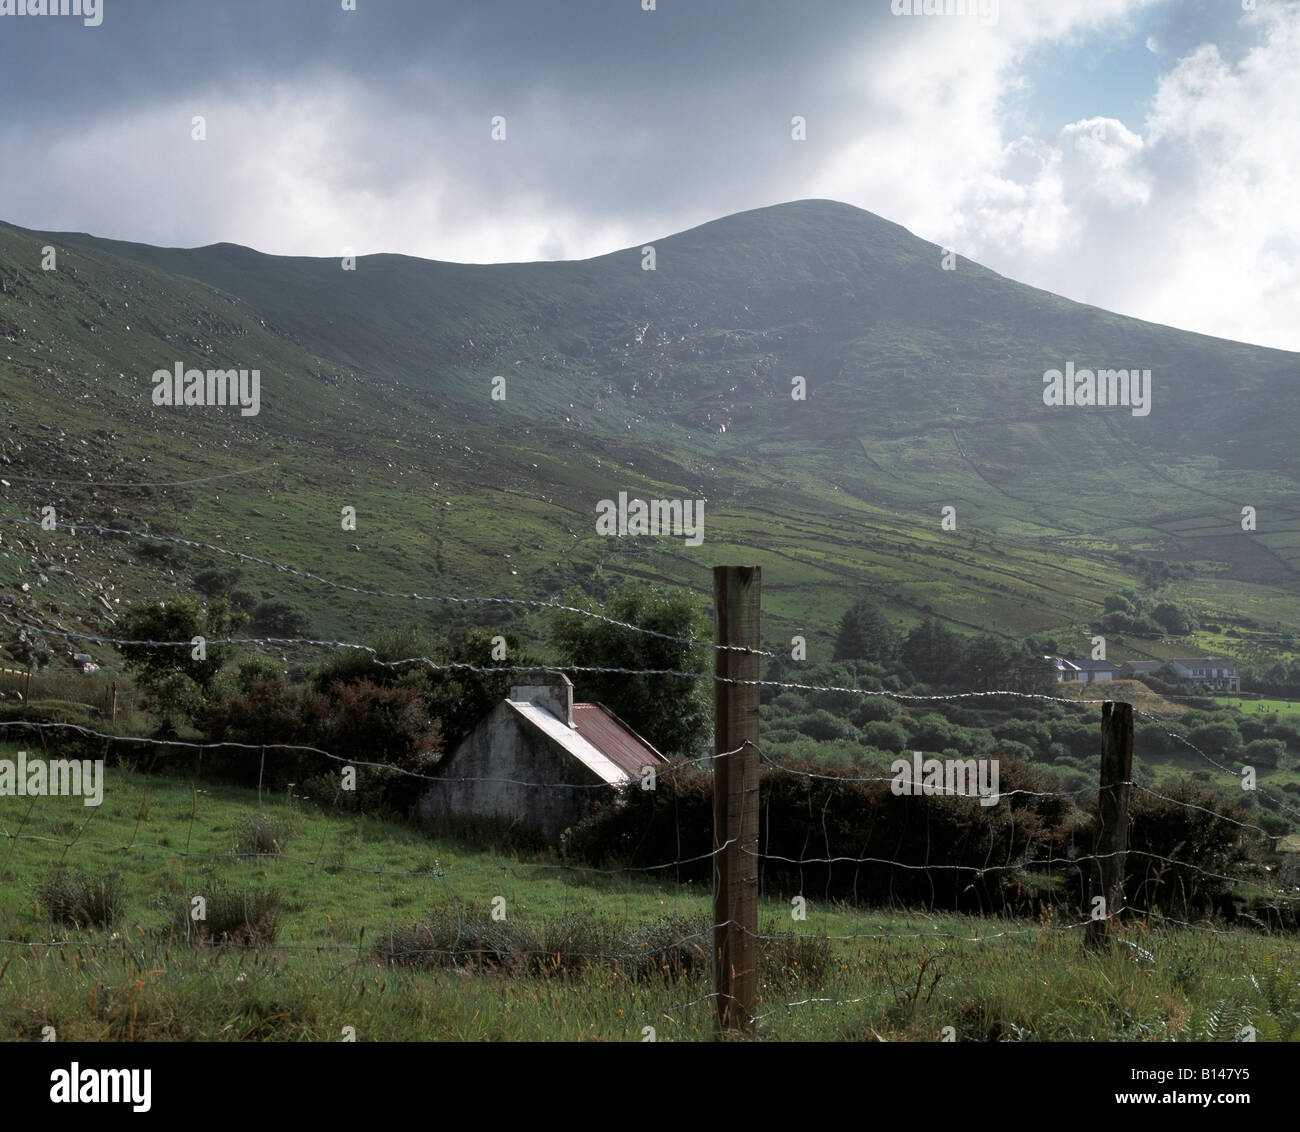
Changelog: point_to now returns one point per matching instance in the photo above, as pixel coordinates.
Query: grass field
(612, 952)
(1261, 706)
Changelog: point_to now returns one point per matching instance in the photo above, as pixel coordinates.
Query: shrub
(805, 818)
(269, 713)
(262, 832)
(873, 709)
(1033, 735)
(277, 618)
(241, 914)
(385, 725)
(363, 722)
(72, 896)
(1264, 752)
(257, 669)
(886, 736)
(1176, 848)
(932, 732)
(822, 725)
(1218, 738)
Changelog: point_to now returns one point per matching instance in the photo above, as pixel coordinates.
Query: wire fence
(474, 934)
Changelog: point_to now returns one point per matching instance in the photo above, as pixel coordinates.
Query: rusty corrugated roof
(614, 739)
(572, 741)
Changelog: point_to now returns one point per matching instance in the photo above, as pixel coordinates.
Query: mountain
(924, 390)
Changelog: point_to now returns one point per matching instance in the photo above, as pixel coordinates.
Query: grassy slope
(348, 882)
(923, 393)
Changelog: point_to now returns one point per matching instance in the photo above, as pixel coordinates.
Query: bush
(1218, 738)
(258, 668)
(886, 736)
(822, 725)
(278, 618)
(1177, 846)
(1265, 753)
(932, 732)
(359, 722)
(74, 897)
(266, 713)
(875, 709)
(233, 914)
(262, 832)
(806, 818)
(1033, 735)
(385, 725)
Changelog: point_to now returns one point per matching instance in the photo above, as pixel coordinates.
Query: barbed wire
(661, 770)
(1218, 766)
(691, 938)
(978, 870)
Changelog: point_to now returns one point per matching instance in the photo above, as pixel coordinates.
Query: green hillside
(924, 391)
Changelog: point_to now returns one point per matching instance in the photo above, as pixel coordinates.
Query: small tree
(866, 635)
(177, 675)
(672, 712)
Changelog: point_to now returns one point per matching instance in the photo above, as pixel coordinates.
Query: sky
(1139, 155)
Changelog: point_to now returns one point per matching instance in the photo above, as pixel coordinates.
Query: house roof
(615, 739)
(598, 739)
(1083, 665)
(571, 741)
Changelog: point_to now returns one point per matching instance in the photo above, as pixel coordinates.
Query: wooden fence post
(1112, 811)
(736, 596)
(112, 702)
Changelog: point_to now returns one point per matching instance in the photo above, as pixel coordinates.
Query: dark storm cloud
(612, 110)
(146, 50)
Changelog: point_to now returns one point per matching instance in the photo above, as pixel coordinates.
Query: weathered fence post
(1112, 814)
(27, 691)
(112, 702)
(736, 595)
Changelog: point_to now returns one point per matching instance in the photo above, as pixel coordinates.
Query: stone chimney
(550, 690)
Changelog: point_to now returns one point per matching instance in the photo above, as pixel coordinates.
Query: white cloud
(1187, 217)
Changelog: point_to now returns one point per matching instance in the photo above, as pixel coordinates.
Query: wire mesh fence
(895, 854)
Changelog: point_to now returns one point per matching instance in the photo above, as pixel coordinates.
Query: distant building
(1213, 671)
(1089, 671)
(539, 760)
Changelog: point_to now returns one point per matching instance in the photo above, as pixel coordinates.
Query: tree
(460, 697)
(456, 697)
(1264, 752)
(1174, 619)
(1218, 737)
(177, 675)
(672, 712)
(933, 654)
(886, 736)
(866, 635)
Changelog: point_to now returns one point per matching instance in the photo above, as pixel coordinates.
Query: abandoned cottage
(539, 760)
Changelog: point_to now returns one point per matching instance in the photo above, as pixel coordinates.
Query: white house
(1213, 671)
(1089, 671)
(539, 760)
